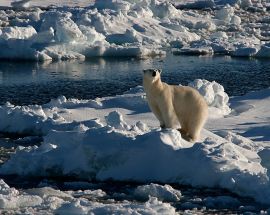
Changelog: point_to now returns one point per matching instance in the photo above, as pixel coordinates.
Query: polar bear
(174, 105)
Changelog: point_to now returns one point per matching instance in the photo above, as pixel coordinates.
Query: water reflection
(29, 83)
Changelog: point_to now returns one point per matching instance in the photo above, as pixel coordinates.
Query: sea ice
(122, 28)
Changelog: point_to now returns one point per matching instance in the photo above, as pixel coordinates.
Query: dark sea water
(23, 83)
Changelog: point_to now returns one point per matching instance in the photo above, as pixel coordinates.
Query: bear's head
(151, 75)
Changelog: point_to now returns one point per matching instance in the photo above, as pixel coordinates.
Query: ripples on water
(35, 83)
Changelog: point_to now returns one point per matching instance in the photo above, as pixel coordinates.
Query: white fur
(175, 104)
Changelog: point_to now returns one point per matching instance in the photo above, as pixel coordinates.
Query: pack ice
(132, 28)
(117, 138)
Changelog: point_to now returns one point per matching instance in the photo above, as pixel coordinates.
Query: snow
(126, 28)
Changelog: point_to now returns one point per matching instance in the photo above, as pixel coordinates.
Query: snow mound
(214, 95)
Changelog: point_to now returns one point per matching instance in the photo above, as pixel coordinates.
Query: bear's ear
(160, 71)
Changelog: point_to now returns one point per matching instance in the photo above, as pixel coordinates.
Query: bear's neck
(154, 87)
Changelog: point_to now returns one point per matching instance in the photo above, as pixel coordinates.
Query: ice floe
(127, 28)
(116, 138)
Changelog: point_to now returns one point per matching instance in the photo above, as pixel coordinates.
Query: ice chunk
(20, 4)
(6, 190)
(128, 37)
(221, 202)
(115, 120)
(198, 5)
(193, 51)
(245, 4)
(162, 193)
(264, 51)
(163, 9)
(235, 20)
(245, 52)
(91, 34)
(42, 56)
(17, 32)
(152, 206)
(27, 118)
(49, 19)
(219, 35)
(46, 192)
(122, 6)
(46, 36)
(10, 198)
(56, 53)
(225, 14)
(207, 25)
(213, 93)
(68, 31)
(71, 208)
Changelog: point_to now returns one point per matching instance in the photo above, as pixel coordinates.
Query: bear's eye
(153, 74)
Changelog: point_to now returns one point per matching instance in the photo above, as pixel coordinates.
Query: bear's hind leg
(184, 134)
(194, 130)
(183, 130)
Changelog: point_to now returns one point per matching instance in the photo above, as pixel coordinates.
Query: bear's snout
(154, 73)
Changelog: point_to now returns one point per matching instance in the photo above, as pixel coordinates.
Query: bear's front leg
(168, 114)
(155, 109)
